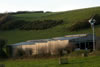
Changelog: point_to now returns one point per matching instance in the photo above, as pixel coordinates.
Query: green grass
(73, 62)
(31, 16)
(69, 17)
(15, 36)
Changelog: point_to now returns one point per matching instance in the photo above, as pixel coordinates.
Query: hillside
(70, 18)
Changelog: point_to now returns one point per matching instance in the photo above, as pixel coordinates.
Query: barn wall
(50, 47)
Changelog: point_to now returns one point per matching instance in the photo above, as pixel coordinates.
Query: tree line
(24, 12)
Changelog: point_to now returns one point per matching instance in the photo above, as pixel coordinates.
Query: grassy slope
(73, 62)
(31, 16)
(69, 18)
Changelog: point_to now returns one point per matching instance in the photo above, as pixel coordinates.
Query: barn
(52, 46)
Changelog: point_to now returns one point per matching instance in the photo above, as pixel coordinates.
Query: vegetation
(2, 52)
(74, 59)
(4, 18)
(70, 21)
(26, 25)
(14, 29)
(41, 25)
(84, 24)
(53, 62)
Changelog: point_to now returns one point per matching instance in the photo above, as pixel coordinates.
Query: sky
(45, 5)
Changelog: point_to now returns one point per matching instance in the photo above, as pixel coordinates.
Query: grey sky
(46, 5)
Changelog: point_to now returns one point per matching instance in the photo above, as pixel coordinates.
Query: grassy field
(69, 17)
(31, 16)
(93, 61)
(15, 36)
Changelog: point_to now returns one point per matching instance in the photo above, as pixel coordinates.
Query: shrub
(4, 18)
(27, 25)
(2, 45)
(79, 53)
(84, 24)
(12, 25)
(41, 25)
(79, 25)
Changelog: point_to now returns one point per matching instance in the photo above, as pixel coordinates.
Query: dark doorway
(90, 45)
(82, 46)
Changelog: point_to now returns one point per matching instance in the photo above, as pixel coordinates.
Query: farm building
(52, 46)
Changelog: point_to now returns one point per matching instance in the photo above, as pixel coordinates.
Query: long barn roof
(67, 37)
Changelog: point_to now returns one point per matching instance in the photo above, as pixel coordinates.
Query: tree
(2, 52)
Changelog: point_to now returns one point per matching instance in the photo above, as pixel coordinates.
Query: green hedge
(27, 25)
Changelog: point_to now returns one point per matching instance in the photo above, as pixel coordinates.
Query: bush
(84, 24)
(95, 53)
(12, 25)
(80, 25)
(26, 25)
(2, 45)
(79, 53)
(4, 18)
(41, 25)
